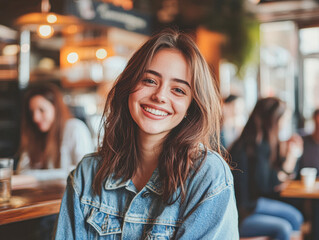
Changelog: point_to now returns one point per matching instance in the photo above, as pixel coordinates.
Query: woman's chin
(43, 129)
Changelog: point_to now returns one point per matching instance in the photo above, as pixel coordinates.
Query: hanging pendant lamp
(45, 23)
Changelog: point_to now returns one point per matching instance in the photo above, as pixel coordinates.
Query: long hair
(185, 144)
(43, 148)
(262, 126)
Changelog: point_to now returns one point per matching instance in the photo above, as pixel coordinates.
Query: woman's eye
(149, 81)
(180, 91)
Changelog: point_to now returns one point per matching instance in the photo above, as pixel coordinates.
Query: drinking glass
(6, 168)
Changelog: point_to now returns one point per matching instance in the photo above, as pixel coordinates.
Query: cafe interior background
(256, 48)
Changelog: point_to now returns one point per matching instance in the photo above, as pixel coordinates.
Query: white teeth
(155, 111)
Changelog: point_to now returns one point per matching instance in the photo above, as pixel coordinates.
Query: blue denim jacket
(121, 212)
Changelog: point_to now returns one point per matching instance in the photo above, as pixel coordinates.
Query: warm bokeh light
(72, 57)
(46, 64)
(45, 31)
(72, 29)
(10, 50)
(52, 18)
(101, 53)
(125, 4)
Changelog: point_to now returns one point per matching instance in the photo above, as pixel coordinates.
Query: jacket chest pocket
(160, 232)
(104, 226)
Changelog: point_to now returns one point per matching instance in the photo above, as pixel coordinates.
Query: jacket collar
(154, 184)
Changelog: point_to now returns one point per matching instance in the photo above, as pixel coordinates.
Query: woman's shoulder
(211, 179)
(213, 175)
(215, 166)
(89, 161)
(86, 170)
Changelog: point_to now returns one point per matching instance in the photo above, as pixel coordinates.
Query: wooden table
(40, 199)
(296, 189)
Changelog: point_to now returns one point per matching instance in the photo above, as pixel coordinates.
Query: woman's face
(163, 95)
(42, 111)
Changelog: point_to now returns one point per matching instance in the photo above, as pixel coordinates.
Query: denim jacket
(121, 212)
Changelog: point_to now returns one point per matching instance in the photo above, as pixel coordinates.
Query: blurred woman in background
(262, 165)
(52, 142)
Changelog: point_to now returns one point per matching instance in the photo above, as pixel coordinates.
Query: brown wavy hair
(262, 126)
(43, 147)
(186, 144)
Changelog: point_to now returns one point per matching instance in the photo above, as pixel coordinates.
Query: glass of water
(6, 168)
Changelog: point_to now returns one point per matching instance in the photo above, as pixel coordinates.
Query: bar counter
(32, 201)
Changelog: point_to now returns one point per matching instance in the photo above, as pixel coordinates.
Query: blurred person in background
(263, 164)
(310, 156)
(233, 119)
(52, 142)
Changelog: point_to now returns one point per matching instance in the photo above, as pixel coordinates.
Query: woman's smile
(155, 110)
(163, 95)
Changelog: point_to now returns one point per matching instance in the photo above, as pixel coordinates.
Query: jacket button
(145, 194)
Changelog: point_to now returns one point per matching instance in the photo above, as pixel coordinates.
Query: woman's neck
(149, 149)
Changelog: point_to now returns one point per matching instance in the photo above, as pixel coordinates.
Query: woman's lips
(154, 112)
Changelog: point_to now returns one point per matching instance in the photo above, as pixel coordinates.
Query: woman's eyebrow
(153, 72)
(174, 79)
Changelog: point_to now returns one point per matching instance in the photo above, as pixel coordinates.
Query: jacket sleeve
(70, 223)
(215, 218)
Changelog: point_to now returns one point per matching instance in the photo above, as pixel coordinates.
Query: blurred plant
(231, 18)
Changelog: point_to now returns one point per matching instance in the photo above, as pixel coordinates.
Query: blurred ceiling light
(10, 50)
(101, 53)
(52, 18)
(45, 31)
(72, 57)
(31, 21)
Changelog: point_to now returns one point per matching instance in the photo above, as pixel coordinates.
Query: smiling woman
(158, 173)
(161, 99)
(52, 142)
(43, 112)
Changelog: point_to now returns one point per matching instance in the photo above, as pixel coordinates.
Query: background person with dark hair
(233, 119)
(52, 142)
(262, 165)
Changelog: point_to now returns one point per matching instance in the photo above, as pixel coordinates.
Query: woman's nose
(160, 95)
